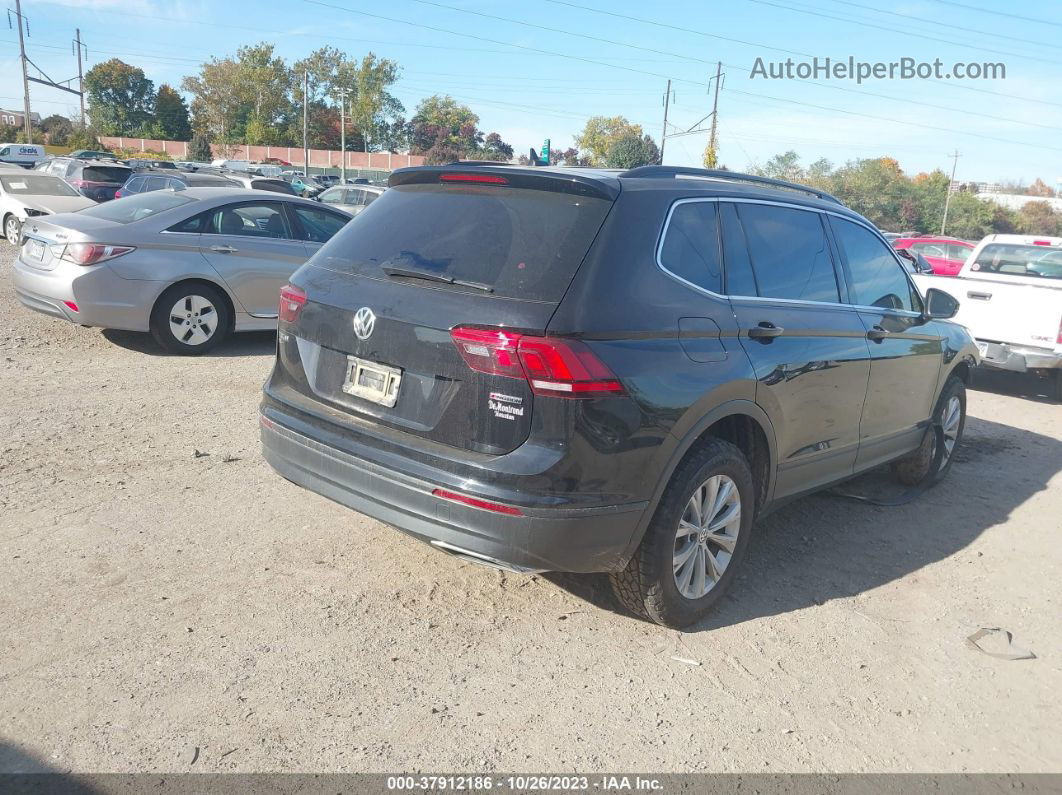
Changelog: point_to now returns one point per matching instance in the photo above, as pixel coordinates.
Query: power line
(905, 32)
(1000, 13)
(950, 25)
(654, 23)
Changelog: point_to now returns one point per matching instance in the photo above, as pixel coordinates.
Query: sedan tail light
(1058, 340)
(292, 299)
(552, 366)
(90, 253)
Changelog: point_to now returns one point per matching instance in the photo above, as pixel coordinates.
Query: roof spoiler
(649, 172)
(558, 181)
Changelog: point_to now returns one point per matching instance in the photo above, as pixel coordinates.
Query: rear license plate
(35, 249)
(374, 382)
(982, 348)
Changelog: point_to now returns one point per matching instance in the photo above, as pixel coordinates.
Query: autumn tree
(600, 133)
(121, 98)
(58, 129)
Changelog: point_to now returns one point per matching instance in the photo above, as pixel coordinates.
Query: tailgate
(373, 336)
(1019, 314)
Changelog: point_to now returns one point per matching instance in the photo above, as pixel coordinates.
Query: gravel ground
(170, 604)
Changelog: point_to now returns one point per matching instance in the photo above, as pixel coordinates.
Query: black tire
(193, 294)
(930, 463)
(647, 586)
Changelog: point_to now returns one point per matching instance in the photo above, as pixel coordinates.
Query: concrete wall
(319, 158)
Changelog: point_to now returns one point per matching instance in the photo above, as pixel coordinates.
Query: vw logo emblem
(364, 323)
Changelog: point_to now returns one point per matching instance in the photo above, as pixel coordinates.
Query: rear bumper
(1001, 356)
(102, 297)
(541, 539)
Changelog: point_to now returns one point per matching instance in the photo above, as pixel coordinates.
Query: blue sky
(527, 83)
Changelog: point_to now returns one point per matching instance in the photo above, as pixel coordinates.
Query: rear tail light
(1058, 340)
(90, 253)
(71, 304)
(292, 299)
(475, 502)
(551, 365)
(118, 193)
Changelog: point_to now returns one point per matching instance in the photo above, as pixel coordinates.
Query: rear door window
(878, 280)
(519, 242)
(690, 248)
(789, 253)
(740, 280)
(318, 226)
(253, 219)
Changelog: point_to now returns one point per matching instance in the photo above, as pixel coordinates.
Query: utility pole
(715, 108)
(306, 123)
(25, 77)
(663, 135)
(80, 76)
(947, 198)
(343, 136)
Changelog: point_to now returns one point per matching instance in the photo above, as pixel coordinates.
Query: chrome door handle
(224, 249)
(979, 296)
(877, 334)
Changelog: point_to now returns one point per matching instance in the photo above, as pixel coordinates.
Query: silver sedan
(189, 266)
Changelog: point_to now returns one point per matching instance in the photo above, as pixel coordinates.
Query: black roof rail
(647, 172)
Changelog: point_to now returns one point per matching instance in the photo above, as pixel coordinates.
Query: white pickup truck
(1010, 298)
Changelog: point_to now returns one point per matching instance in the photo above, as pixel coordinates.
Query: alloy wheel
(193, 320)
(706, 536)
(11, 231)
(950, 421)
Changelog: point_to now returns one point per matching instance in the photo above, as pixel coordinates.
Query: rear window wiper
(410, 273)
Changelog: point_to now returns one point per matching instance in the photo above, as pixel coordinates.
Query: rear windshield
(117, 174)
(275, 185)
(522, 243)
(1019, 260)
(136, 208)
(37, 185)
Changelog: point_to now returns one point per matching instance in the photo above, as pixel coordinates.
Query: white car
(1010, 298)
(32, 194)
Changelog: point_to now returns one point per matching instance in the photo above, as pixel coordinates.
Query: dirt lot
(168, 610)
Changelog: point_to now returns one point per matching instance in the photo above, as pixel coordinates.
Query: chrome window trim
(763, 299)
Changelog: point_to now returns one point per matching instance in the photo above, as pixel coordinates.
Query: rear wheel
(695, 541)
(931, 461)
(12, 229)
(190, 319)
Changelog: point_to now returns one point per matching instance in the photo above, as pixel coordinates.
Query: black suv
(587, 370)
(98, 180)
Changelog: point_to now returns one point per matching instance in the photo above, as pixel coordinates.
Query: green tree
(215, 98)
(632, 151)
(373, 109)
(171, 114)
(121, 98)
(600, 133)
(199, 148)
(58, 129)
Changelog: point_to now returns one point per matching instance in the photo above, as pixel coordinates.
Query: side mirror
(905, 253)
(940, 305)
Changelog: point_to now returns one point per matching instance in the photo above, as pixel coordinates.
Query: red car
(945, 254)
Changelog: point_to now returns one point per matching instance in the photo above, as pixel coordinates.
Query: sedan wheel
(12, 230)
(193, 320)
(952, 420)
